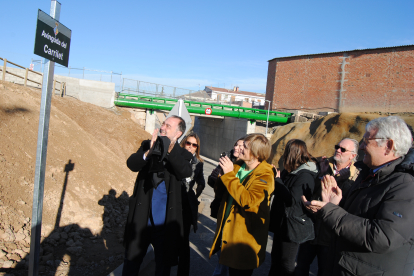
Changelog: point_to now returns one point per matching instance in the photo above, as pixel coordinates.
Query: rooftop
(225, 90)
(402, 46)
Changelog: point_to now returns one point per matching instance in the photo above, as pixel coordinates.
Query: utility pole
(267, 120)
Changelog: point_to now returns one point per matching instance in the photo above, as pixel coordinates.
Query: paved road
(201, 241)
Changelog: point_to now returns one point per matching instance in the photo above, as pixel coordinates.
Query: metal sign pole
(180, 103)
(42, 139)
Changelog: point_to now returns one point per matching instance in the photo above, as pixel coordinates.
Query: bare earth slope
(323, 134)
(87, 150)
(87, 182)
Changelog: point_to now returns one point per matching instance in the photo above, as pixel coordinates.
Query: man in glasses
(374, 222)
(341, 167)
(155, 211)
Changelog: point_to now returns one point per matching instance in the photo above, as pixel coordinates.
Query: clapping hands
(153, 139)
(330, 193)
(154, 136)
(330, 190)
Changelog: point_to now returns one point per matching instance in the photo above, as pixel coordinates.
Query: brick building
(380, 79)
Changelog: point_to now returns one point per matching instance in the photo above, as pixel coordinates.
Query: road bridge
(148, 102)
(217, 131)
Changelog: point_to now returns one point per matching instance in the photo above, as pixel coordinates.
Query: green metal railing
(131, 100)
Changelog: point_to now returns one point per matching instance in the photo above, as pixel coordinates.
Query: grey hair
(394, 128)
(356, 147)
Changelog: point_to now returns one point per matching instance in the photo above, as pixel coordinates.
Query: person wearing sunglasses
(342, 167)
(190, 199)
(373, 224)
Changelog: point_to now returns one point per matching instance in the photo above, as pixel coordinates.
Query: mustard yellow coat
(245, 230)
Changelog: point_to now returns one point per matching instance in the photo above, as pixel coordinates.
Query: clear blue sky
(191, 43)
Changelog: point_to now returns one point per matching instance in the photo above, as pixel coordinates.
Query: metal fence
(131, 86)
(143, 88)
(16, 73)
(84, 73)
(124, 85)
(138, 87)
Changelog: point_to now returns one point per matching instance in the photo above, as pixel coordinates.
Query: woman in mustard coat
(243, 217)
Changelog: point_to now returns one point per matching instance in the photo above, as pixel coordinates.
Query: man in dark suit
(155, 210)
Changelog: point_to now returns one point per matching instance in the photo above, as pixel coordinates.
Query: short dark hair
(181, 124)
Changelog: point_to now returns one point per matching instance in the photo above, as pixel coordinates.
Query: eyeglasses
(365, 140)
(191, 144)
(342, 149)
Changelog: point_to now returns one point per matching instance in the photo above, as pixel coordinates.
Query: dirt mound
(323, 134)
(86, 186)
(87, 183)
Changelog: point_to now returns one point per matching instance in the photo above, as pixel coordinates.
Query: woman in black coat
(288, 215)
(233, 154)
(189, 199)
(219, 189)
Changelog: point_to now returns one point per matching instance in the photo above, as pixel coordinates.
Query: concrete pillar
(251, 127)
(150, 119)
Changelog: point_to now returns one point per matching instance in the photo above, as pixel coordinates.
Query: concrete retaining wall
(218, 135)
(22, 72)
(95, 92)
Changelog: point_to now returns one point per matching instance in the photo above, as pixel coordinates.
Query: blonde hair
(259, 146)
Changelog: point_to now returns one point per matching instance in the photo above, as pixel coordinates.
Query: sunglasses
(191, 144)
(342, 149)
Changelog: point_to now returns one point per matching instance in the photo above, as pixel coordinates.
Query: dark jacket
(289, 189)
(211, 181)
(176, 168)
(344, 178)
(374, 225)
(217, 185)
(190, 201)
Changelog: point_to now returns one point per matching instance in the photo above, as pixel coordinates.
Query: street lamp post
(267, 120)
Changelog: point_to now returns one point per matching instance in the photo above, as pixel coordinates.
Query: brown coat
(245, 231)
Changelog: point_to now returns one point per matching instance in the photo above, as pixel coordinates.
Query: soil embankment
(323, 134)
(87, 183)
